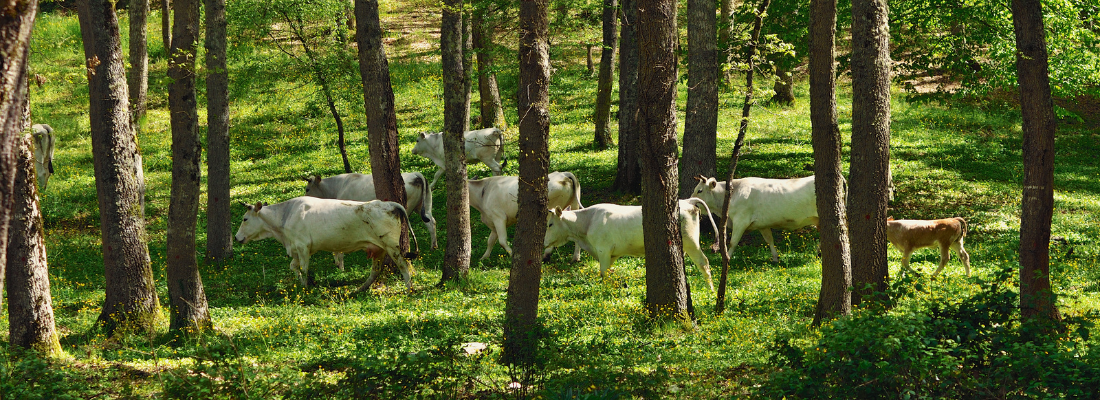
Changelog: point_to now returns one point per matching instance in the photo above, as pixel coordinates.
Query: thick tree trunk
(836, 264)
(30, 309)
(468, 61)
(666, 285)
(701, 119)
(870, 159)
(374, 70)
(138, 81)
(219, 236)
(492, 111)
(521, 331)
(456, 258)
(1037, 298)
(15, 38)
(131, 297)
(629, 169)
(725, 29)
(607, 73)
(188, 299)
(166, 24)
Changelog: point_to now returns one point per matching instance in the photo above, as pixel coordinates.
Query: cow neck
(276, 229)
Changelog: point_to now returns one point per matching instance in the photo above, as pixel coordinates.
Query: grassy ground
(956, 159)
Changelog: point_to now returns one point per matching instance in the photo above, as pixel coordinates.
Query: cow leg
(767, 234)
(375, 269)
(402, 265)
(905, 261)
(490, 243)
(735, 237)
(494, 166)
(431, 231)
(502, 235)
(303, 266)
(963, 256)
(692, 249)
(576, 251)
(945, 256)
(339, 257)
(438, 173)
(605, 262)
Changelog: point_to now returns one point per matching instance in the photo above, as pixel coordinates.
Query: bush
(26, 375)
(977, 348)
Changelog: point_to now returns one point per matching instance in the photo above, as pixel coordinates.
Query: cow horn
(245, 205)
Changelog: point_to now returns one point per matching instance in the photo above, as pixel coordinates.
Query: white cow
(762, 204)
(306, 225)
(360, 187)
(610, 231)
(497, 198)
(43, 139)
(485, 145)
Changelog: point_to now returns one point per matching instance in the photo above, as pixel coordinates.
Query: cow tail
(405, 221)
(500, 149)
(425, 198)
(576, 190)
(698, 201)
(963, 222)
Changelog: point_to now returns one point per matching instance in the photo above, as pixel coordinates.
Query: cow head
(313, 186)
(252, 226)
(705, 185)
(556, 234)
(425, 142)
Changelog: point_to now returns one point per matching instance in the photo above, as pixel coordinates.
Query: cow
(610, 231)
(485, 145)
(908, 235)
(306, 225)
(43, 138)
(761, 204)
(497, 200)
(360, 187)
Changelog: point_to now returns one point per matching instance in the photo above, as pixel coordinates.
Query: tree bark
(521, 329)
(16, 24)
(138, 81)
(629, 169)
(456, 258)
(165, 24)
(188, 299)
(836, 264)
(30, 309)
(701, 119)
(870, 159)
(378, 99)
(467, 61)
(725, 29)
(492, 110)
(219, 236)
(666, 285)
(607, 72)
(1037, 299)
(131, 298)
(784, 85)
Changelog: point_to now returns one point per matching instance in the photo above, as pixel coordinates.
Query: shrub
(26, 375)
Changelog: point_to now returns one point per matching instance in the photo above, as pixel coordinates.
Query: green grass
(948, 159)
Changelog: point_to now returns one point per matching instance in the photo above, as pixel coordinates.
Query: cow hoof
(546, 258)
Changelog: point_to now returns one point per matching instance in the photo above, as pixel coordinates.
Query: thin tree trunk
(166, 24)
(521, 329)
(468, 61)
(591, 62)
(1037, 298)
(219, 236)
(723, 246)
(666, 285)
(870, 159)
(607, 73)
(784, 85)
(492, 111)
(15, 38)
(188, 299)
(30, 309)
(138, 81)
(701, 119)
(130, 296)
(836, 264)
(629, 169)
(725, 29)
(378, 99)
(456, 258)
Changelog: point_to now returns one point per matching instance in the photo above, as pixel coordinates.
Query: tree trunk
(836, 264)
(521, 329)
(591, 62)
(725, 29)
(870, 159)
(701, 119)
(492, 111)
(629, 169)
(467, 61)
(30, 309)
(666, 286)
(456, 258)
(607, 72)
(165, 24)
(784, 85)
(374, 70)
(189, 310)
(15, 38)
(138, 81)
(1037, 298)
(219, 232)
(131, 297)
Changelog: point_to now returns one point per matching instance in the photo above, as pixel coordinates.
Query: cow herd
(341, 214)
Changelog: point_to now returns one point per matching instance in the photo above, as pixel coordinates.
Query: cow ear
(557, 211)
(422, 135)
(257, 207)
(889, 218)
(712, 183)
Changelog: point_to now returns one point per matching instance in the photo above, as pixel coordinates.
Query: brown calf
(909, 235)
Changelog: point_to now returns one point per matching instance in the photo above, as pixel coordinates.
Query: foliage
(27, 375)
(977, 347)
